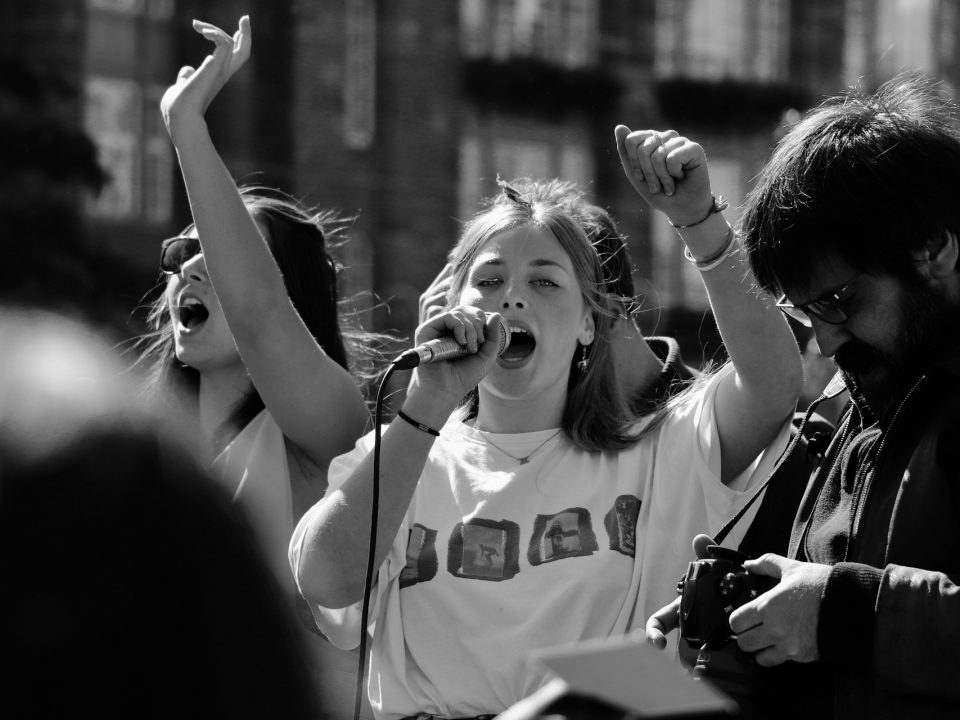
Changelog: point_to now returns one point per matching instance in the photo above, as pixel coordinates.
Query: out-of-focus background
(402, 113)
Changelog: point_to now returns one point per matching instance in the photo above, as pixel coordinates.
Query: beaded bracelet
(710, 263)
(418, 425)
(717, 204)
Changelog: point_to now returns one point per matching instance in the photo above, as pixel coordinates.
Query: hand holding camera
(712, 588)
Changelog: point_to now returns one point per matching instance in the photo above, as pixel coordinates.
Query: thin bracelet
(717, 204)
(711, 263)
(419, 426)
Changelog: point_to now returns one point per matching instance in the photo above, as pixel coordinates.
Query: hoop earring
(584, 360)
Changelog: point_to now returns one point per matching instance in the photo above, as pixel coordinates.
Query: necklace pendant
(524, 460)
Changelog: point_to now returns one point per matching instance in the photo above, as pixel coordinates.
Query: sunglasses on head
(175, 251)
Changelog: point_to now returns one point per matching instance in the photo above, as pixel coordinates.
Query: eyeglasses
(829, 309)
(175, 251)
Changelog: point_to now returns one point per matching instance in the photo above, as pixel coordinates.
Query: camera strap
(833, 388)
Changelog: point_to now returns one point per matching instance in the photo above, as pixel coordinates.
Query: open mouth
(522, 345)
(192, 312)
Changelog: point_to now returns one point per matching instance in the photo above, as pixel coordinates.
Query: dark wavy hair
(299, 239)
(868, 178)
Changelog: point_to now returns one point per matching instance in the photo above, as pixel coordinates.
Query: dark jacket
(889, 625)
(675, 376)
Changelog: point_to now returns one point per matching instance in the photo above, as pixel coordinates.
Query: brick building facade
(403, 113)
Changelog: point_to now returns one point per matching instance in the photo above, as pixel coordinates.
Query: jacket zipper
(860, 500)
(826, 463)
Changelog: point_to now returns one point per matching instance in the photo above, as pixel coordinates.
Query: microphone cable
(405, 361)
(371, 554)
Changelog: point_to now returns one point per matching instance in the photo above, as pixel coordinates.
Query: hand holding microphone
(445, 348)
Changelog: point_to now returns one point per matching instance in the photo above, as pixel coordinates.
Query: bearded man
(854, 224)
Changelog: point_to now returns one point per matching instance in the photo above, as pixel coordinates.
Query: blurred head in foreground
(131, 585)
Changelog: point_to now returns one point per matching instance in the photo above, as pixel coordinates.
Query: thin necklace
(526, 458)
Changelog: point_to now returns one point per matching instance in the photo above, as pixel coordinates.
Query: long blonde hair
(596, 416)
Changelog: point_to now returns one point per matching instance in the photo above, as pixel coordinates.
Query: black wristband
(419, 426)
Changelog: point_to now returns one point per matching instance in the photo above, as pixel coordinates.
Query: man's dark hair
(867, 178)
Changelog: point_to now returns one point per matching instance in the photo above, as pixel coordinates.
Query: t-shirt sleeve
(694, 425)
(724, 500)
(342, 625)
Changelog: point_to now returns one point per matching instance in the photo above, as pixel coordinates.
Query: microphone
(444, 348)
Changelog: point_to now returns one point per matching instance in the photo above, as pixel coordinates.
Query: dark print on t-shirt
(566, 534)
(484, 550)
(421, 556)
(621, 524)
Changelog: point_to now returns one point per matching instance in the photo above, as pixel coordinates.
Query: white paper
(629, 672)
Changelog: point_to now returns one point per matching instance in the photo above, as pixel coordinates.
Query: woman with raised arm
(541, 512)
(247, 330)
(246, 335)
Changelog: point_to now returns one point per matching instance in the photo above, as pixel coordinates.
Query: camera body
(711, 589)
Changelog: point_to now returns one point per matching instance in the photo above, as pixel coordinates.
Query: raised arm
(314, 401)
(670, 173)
(334, 535)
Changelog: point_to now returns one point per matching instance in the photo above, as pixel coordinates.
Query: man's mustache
(857, 357)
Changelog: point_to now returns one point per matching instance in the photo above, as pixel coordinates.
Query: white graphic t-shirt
(496, 558)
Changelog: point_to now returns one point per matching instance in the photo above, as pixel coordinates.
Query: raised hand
(433, 301)
(781, 624)
(668, 171)
(187, 99)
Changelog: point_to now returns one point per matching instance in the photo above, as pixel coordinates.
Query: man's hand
(781, 624)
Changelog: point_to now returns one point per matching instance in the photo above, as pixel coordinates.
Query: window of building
(123, 119)
(856, 41)
(561, 32)
(722, 39)
(887, 37)
(128, 47)
(158, 166)
(905, 35)
(514, 148)
(360, 74)
(156, 9)
(126, 7)
(113, 119)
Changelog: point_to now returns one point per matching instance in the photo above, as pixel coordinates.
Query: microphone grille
(504, 336)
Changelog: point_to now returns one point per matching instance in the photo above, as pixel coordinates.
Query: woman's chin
(515, 385)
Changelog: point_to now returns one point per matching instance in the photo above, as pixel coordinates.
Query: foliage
(49, 164)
